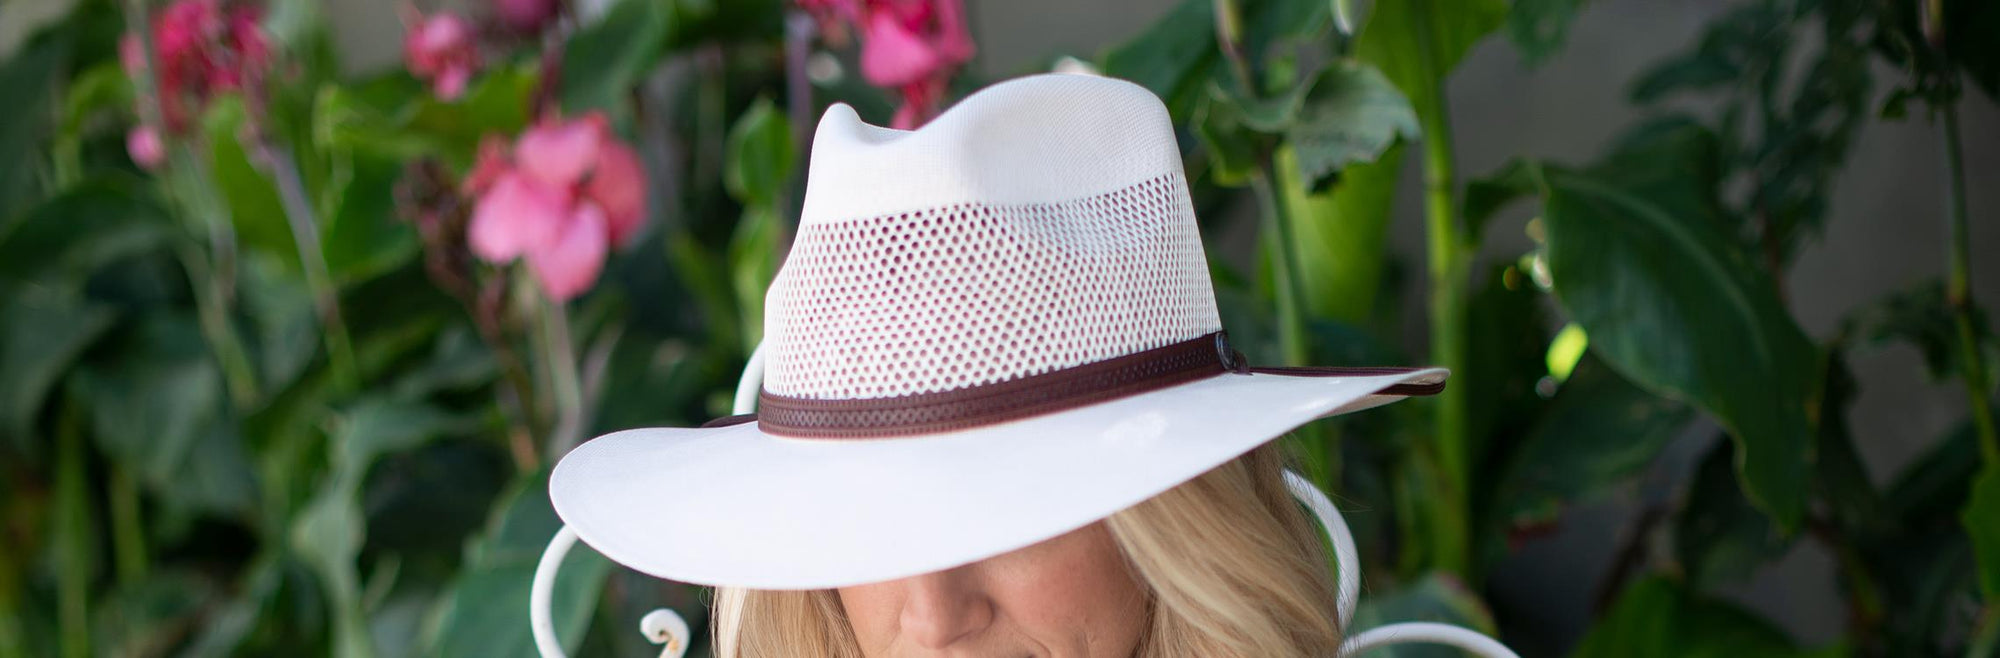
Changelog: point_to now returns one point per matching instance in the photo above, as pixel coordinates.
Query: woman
(999, 415)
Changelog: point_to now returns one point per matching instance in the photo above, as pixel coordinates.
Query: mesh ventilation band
(963, 295)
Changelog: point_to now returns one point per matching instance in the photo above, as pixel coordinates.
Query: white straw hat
(989, 331)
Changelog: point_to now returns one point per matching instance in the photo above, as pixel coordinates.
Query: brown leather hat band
(944, 411)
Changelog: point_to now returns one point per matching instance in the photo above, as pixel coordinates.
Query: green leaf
(251, 200)
(1970, 45)
(1654, 617)
(30, 79)
(1342, 234)
(1982, 522)
(1840, 476)
(485, 611)
(1720, 537)
(1437, 597)
(1351, 115)
(753, 262)
(375, 427)
(1639, 260)
(1231, 146)
(90, 226)
(1934, 488)
(760, 155)
(1920, 317)
(1416, 43)
(42, 332)
(1598, 432)
(365, 237)
(497, 104)
(1506, 365)
(1172, 57)
(606, 59)
(1540, 27)
(157, 407)
(1484, 197)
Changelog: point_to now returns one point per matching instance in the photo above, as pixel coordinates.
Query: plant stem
(1958, 292)
(74, 546)
(11, 643)
(277, 162)
(1450, 257)
(559, 355)
(1285, 272)
(128, 537)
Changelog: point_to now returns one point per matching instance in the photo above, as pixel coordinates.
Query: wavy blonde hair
(1232, 566)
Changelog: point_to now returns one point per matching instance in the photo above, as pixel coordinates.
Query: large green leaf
(605, 60)
(89, 226)
(26, 118)
(1982, 522)
(42, 332)
(1599, 431)
(157, 407)
(1351, 115)
(1654, 617)
(1341, 234)
(485, 611)
(1172, 57)
(250, 200)
(1416, 43)
(1437, 597)
(760, 155)
(1719, 536)
(1639, 259)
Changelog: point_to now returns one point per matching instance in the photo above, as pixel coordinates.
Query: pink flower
(570, 264)
(560, 153)
(912, 46)
(560, 198)
(525, 16)
(619, 186)
(518, 214)
(144, 144)
(440, 49)
(200, 51)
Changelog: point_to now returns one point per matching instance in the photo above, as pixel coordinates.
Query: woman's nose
(943, 608)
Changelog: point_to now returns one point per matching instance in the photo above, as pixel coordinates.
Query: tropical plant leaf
(1639, 260)
(1655, 617)
(30, 78)
(1352, 114)
(1719, 536)
(1597, 433)
(1341, 235)
(1436, 597)
(606, 59)
(1172, 57)
(41, 333)
(760, 155)
(485, 611)
(1416, 43)
(90, 226)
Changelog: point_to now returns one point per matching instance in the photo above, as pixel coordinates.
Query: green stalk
(74, 546)
(11, 643)
(1449, 256)
(559, 356)
(128, 537)
(1958, 293)
(299, 214)
(1279, 242)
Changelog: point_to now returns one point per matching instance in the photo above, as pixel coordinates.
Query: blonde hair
(1232, 566)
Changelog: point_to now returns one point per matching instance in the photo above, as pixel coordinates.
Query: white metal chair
(666, 628)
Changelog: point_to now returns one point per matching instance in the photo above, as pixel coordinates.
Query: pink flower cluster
(201, 49)
(561, 197)
(441, 49)
(912, 46)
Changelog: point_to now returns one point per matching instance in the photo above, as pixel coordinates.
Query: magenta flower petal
(559, 153)
(569, 265)
(891, 56)
(450, 83)
(144, 144)
(618, 185)
(516, 215)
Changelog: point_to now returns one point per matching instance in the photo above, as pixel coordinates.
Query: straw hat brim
(733, 506)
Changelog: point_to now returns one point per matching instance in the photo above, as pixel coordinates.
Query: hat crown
(1040, 224)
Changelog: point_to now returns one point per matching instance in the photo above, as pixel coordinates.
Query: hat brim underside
(733, 506)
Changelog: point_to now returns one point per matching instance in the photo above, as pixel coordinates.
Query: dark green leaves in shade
(1539, 28)
(1599, 431)
(1640, 260)
(485, 612)
(1656, 618)
(605, 60)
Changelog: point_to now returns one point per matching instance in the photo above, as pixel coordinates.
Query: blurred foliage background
(286, 350)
